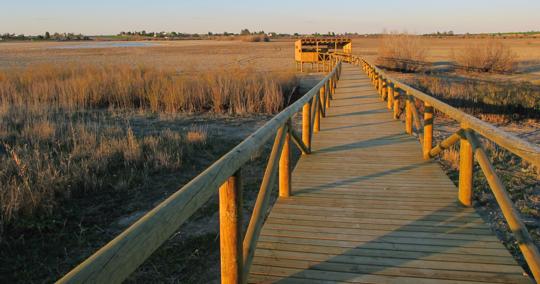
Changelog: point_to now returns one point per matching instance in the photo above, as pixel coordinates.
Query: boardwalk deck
(367, 209)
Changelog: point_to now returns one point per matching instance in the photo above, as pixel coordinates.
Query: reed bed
(72, 87)
(64, 129)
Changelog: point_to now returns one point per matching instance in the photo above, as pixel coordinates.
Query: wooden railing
(394, 91)
(120, 257)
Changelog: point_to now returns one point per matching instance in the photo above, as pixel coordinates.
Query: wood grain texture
(366, 208)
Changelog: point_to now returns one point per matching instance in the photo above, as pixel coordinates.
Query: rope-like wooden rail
(470, 148)
(115, 261)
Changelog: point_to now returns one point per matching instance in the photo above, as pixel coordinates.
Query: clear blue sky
(200, 16)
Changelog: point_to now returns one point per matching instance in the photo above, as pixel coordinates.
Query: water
(106, 45)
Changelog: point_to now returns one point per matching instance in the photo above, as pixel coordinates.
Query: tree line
(45, 36)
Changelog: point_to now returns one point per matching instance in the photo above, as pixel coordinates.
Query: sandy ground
(182, 55)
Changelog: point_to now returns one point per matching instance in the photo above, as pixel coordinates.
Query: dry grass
(496, 101)
(71, 87)
(55, 140)
(487, 56)
(197, 134)
(43, 166)
(402, 52)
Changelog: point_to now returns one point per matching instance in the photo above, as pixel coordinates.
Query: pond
(106, 44)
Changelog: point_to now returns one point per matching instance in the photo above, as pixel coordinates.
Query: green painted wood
(366, 208)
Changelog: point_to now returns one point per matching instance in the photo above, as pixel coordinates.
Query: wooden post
(301, 66)
(518, 228)
(396, 102)
(317, 120)
(465, 171)
(323, 98)
(306, 127)
(408, 115)
(381, 88)
(327, 94)
(390, 95)
(428, 130)
(285, 165)
(230, 229)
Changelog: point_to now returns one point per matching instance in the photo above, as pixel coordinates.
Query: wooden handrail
(262, 202)
(115, 261)
(521, 148)
(523, 238)
(469, 144)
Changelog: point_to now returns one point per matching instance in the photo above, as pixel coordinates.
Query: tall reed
(233, 91)
(59, 137)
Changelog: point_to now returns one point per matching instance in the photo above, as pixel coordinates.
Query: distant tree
(245, 32)
(47, 35)
(210, 33)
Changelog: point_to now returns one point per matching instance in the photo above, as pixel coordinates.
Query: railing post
(285, 165)
(383, 89)
(390, 95)
(465, 171)
(317, 120)
(306, 125)
(322, 99)
(230, 229)
(428, 129)
(327, 94)
(408, 114)
(397, 95)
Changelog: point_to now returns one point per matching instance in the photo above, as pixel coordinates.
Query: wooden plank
(500, 252)
(442, 256)
(366, 208)
(336, 265)
(380, 227)
(455, 225)
(456, 270)
(397, 233)
(347, 276)
(387, 238)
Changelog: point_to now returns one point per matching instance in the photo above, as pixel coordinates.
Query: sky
(93, 17)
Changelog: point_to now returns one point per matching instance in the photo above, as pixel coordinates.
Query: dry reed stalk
(234, 90)
(488, 56)
(402, 52)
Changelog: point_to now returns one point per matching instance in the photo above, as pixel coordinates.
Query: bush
(255, 38)
(402, 52)
(489, 56)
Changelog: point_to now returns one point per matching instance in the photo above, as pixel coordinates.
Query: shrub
(255, 38)
(488, 56)
(402, 52)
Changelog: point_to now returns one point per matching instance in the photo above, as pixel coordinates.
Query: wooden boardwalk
(367, 208)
